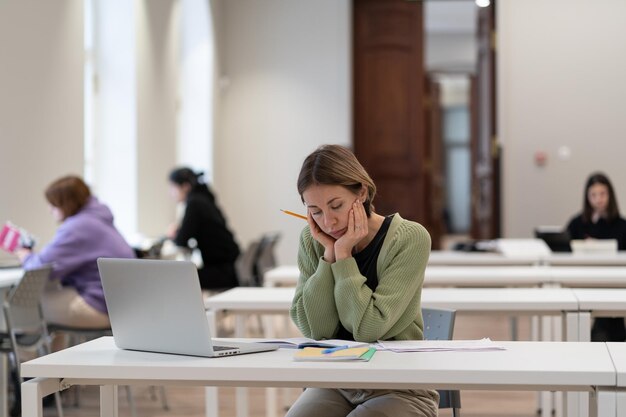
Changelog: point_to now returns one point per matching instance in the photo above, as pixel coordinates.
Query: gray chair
(266, 257)
(439, 325)
(245, 264)
(24, 328)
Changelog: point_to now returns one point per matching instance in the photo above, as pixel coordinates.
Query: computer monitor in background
(557, 238)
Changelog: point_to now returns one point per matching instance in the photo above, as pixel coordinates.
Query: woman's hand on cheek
(357, 230)
(327, 241)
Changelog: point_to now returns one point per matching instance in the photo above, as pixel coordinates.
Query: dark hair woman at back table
(204, 222)
(601, 219)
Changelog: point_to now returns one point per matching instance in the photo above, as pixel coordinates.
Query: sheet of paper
(438, 345)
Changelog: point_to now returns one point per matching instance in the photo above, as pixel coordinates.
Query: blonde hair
(336, 165)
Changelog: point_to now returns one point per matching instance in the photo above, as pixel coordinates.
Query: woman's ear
(363, 194)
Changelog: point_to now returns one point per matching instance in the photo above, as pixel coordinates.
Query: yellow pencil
(291, 213)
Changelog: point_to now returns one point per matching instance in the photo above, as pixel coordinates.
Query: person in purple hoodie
(86, 233)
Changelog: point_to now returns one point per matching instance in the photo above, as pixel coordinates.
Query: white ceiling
(450, 16)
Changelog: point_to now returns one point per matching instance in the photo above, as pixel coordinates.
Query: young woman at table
(204, 224)
(86, 232)
(601, 219)
(361, 278)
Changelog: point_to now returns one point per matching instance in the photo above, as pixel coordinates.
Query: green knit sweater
(329, 293)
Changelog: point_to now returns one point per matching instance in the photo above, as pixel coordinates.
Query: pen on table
(291, 213)
(335, 349)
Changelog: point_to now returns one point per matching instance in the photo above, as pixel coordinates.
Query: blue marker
(335, 349)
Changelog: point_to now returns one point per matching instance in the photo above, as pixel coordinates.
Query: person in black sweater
(600, 219)
(204, 223)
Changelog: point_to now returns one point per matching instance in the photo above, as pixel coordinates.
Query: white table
(618, 355)
(451, 258)
(559, 302)
(585, 259)
(598, 302)
(493, 276)
(541, 301)
(8, 277)
(522, 366)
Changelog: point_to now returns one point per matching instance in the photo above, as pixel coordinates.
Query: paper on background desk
(438, 345)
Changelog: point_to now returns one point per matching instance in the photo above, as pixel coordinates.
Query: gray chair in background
(24, 328)
(439, 325)
(245, 264)
(266, 256)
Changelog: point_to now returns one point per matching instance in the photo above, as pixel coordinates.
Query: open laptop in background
(557, 238)
(157, 306)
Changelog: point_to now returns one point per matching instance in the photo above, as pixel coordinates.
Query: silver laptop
(157, 306)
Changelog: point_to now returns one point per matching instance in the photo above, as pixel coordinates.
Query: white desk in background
(8, 277)
(559, 302)
(585, 259)
(451, 258)
(529, 366)
(532, 301)
(598, 302)
(492, 276)
(461, 276)
(618, 355)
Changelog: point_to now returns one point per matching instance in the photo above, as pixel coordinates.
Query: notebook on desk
(157, 306)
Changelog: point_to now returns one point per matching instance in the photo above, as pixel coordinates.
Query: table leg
(211, 402)
(271, 394)
(603, 402)
(4, 389)
(33, 392)
(621, 402)
(571, 402)
(584, 326)
(108, 401)
(241, 394)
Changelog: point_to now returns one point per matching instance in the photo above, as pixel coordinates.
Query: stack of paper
(438, 345)
(363, 354)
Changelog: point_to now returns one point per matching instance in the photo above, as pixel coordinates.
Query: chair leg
(164, 402)
(59, 404)
(131, 401)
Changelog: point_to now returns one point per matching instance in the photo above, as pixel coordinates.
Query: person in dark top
(601, 219)
(203, 226)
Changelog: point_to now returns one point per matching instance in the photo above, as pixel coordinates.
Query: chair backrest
(439, 325)
(22, 308)
(245, 264)
(266, 258)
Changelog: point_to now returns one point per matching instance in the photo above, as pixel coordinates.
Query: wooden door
(484, 144)
(434, 175)
(388, 68)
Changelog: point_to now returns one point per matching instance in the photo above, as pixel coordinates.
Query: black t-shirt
(366, 261)
(602, 229)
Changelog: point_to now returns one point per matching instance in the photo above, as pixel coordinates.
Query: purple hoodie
(79, 241)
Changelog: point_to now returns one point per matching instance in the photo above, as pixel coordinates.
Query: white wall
(41, 106)
(285, 77)
(157, 51)
(561, 84)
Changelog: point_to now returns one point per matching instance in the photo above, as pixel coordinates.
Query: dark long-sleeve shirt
(602, 229)
(204, 222)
